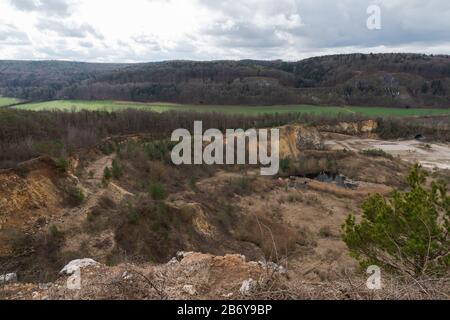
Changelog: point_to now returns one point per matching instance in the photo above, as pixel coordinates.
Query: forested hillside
(397, 80)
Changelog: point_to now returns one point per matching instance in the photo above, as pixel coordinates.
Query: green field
(73, 105)
(7, 101)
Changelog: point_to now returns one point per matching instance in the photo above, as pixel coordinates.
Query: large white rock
(8, 278)
(75, 265)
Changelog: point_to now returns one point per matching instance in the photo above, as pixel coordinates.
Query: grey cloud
(243, 34)
(10, 35)
(260, 29)
(122, 53)
(343, 23)
(247, 9)
(24, 5)
(330, 23)
(148, 41)
(50, 7)
(67, 29)
(86, 44)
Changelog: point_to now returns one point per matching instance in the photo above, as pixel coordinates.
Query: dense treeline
(434, 128)
(42, 80)
(27, 134)
(401, 80)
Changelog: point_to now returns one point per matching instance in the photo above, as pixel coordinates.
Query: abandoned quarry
(117, 220)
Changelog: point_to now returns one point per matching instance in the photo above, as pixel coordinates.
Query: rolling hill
(389, 80)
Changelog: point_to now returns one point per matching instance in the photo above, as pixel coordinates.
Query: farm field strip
(107, 105)
(4, 101)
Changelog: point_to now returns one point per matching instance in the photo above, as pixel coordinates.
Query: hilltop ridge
(392, 80)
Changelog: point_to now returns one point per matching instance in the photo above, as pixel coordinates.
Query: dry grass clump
(355, 288)
(275, 239)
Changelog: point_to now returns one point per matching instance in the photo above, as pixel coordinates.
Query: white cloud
(147, 30)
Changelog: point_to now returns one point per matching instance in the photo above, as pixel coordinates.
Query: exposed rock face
(297, 138)
(27, 194)
(309, 138)
(294, 139)
(28, 188)
(363, 128)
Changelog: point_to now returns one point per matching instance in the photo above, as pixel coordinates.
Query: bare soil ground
(429, 155)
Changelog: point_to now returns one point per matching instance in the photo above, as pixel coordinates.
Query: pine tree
(406, 232)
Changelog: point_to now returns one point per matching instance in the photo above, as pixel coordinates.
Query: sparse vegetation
(325, 232)
(62, 164)
(294, 197)
(238, 186)
(54, 232)
(285, 164)
(133, 216)
(75, 196)
(116, 170)
(377, 153)
(107, 175)
(157, 191)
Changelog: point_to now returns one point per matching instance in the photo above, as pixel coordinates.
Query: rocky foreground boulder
(76, 265)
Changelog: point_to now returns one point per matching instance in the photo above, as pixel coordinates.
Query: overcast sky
(153, 30)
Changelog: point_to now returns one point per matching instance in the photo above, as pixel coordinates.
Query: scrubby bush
(295, 197)
(238, 186)
(377, 153)
(108, 148)
(133, 217)
(54, 232)
(407, 232)
(285, 164)
(157, 191)
(75, 196)
(116, 169)
(18, 240)
(107, 174)
(62, 164)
